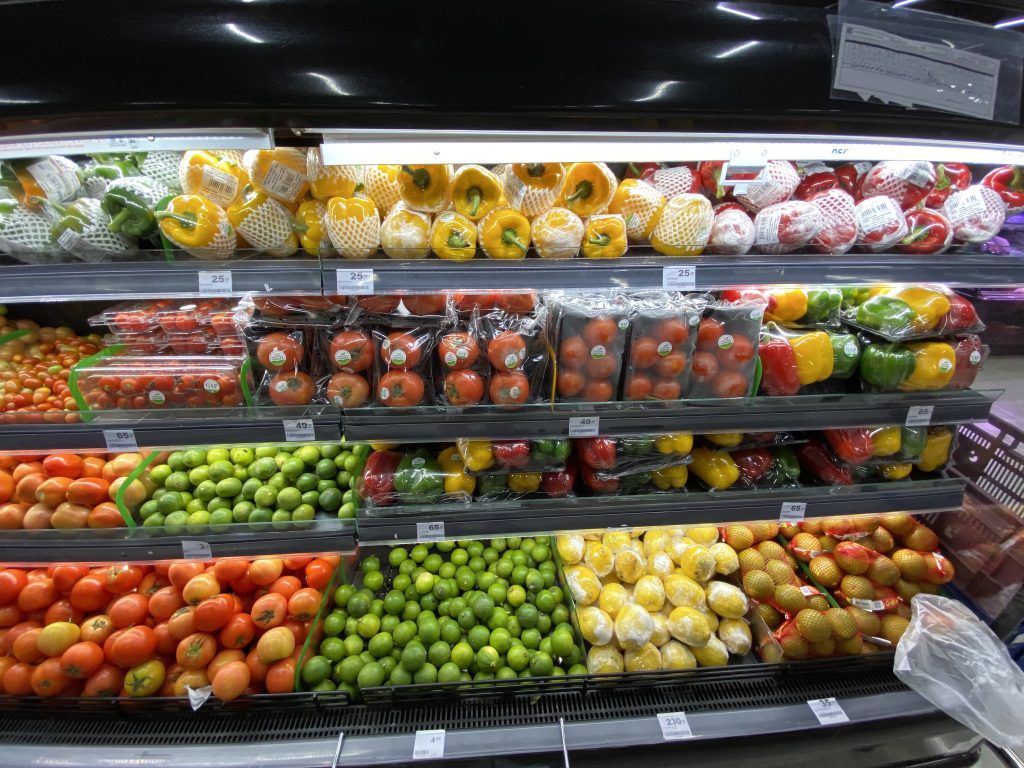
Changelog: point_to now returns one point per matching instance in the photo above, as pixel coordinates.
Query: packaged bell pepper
(767, 468)
(817, 462)
(937, 450)
(911, 312)
(500, 457)
(716, 470)
(970, 353)
(662, 340)
(616, 457)
(598, 484)
(591, 338)
(418, 479)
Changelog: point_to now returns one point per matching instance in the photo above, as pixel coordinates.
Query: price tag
(120, 440)
(792, 511)
(429, 745)
(920, 415)
(867, 605)
(828, 711)
(196, 550)
(679, 278)
(429, 532)
(583, 426)
(674, 726)
(215, 283)
(298, 430)
(355, 282)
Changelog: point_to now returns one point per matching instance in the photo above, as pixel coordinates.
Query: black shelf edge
(550, 516)
(805, 412)
(146, 544)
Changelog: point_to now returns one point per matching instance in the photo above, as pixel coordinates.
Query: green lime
(347, 512)
(265, 496)
(325, 469)
(371, 675)
(544, 601)
(442, 589)
(485, 580)
(218, 503)
(433, 562)
(447, 570)
(177, 481)
(370, 564)
(175, 522)
(199, 475)
(306, 482)
(373, 580)
(155, 520)
(388, 622)
(310, 454)
(377, 607)
(291, 468)
(368, 626)
(459, 557)
(242, 456)
(490, 555)
(159, 474)
(229, 487)
(497, 593)
(448, 673)
(397, 556)
(534, 581)
(424, 583)
(289, 498)
(501, 640)
(407, 566)
(419, 553)
(241, 512)
(414, 656)
(264, 451)
(429, 631)
(411, 610)
(475, 548)
(333, 648)
(353, 643)
(463, 655)
(249, 488)
(518, 576)
(439, 653)
(194, 457)
(169, 502)
(531, 638)
(478, 637)
(220, 519)
(540, 553)
(516, 596)
(263, 469)
(220, 470)
(426, 674)
(358, 605)
(347, 670)
(311, 499)
(381, 644)
(487, 659)
(176, 461)
(527, 615)
(330, 499)
(562, 643)
(541, 664)
(457, 606)
(394, 602)
(400, 676)
(518, 658)
(451, 632)
(401, 582)
(503, 568)
(197, 521)
(499, 619)
(404, 633)
(324, 685)
(466, 618)
(477, 564)
(544, 623)
(545, 646)
(316, 670)
(483, 607)
(343, 594)
(505, 673)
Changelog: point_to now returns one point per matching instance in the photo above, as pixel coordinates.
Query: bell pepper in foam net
(823, 306)
(456, 481)
(98, 177)
(475, 191)
(161, 166)
(557, 234)
(670, 478)
(504, 233)
(587, 188)
(327, 181)
(889, 315)
(198, 226)
(477, 455)
(378, 482)
(786, 305)
(353, 225)
(929, 306)
(934, 366)
(83, 229)
(278, 173)
(814, 357)
(949, 178)
(753, 464)
(532, 187)
(852, 445)
(425, 187)
(716, 469)
(309, 225)
(23, 232)
(382, 185)
(604, 237)
(453, 237)
(935, 453)
(779, 376)
(265, 223)
(640, 206)
(912, 442)
(1008, 182)
(816, 460)
(131, 202)
(969, 353)
(418, 479)
(219, 180)
(684, 226)
(405, 234)
(886, 366)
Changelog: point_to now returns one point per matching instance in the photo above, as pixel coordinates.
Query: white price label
(120, 439)
(808, 591)
(430, 532)
(584, 426)
(867, 605)
(679, 278)
(354, 282)
(192, 549)
(215, 283)
(920, 415)
(792, 511)
(674, 726)
(828, 711)
(298, 430)
(429, 745)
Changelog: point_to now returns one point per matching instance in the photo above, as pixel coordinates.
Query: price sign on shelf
(429, 532)
(674, 726)
(792, 511)
(584, 426)
(355, 282)
(215, 283)
(828, 711)
(920, 415)
(120, 440)
(196, 550)
(679, 278)
(299, 430)
(429, 745)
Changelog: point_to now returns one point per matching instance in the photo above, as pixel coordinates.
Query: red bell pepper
(969, 354)
(778, 367)
(747, 294)
(636, 170)
(854, 446)
(815, 178)
(378, 484)
(597, 452)
(949, 178)
(752, 463)
(595, 484)
(512, 453)
(962, 315)
(929, 232)
(711, 177)
(1008, 181)
(814, 458)
(559, 484)
(850, 176)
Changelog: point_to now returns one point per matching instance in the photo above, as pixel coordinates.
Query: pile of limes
(210, 488)
(454, 611)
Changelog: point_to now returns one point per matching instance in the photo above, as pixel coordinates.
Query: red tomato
(269, 611)
(88, 491)
(458, 350)
(643, 352)
(230, 569)
(600, 331)
(165, 602)
(318, 573)
(181, 573)
(231, 680)
(96, 629)
(570, 382)
(638, 387)
(403, 350)
(81, 659)
(128, 610)
(464, 301)
(48, 680)
(165, 641)
(26, 646)
(602, 367)
(400, 389)
(730, 384)
(17, 680)
(304, 604)
(12, 581)
(506, 351)
(704, 368)
(351, 351)
(62, 610)
(671, 365)
(573, 353)
(182, 622)
(214, 613)
(509, 387)
(130, 647)
(292, 388)
(349, 390)
(666, 389)
(37, 595)
(280, 678)
(104, 682)
(238, 632)
(67, 465)
(286, 585)
(279, 351)
(379, 305)
(425, 303)
(738, 356)
(196, 651)
(708, 333)
(598, 391)
(463, 388)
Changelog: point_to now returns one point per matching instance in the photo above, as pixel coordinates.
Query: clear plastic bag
(954, 661)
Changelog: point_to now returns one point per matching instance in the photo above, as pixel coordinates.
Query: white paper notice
(792, 511)
(120, 440)
(215, 283)
(429, 532)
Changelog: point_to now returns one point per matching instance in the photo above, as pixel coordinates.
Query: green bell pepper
(636, 481)
(784, 463)
(855, 295)
(845, 355)
(637, 446)
(419, 479)
(491, 485)
(886, 314)
(912, 442)
(823, 306)
(131, 209)
(886, 366)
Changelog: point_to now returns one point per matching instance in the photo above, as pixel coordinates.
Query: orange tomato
(153, 582)
(105, 515)
(242, 585)
(37, 517)
(66, 576)
(222, 658)
(12, 581)
(105, 681)
(281, 677)
(6, 662)
(269, 611)
(257, 669)
(7, 486)
(199, 588)
(96, 629)
(597, 391)
(89, 491)
(165, 642)
(230, 569)
(190, 678)
(134, 493)
(81, 659)
(238, 632)
(16, 630)
(68, 515)
(212, 614)
(12, 516)
(48, 680)
(25, 492)
(170, 678)
(37, 595)
(196, 651)
(643, 352)
(304, 604)
(129, 609)
(181, 573)
(165, 602)
(27, 468)
(121, 465)
(89, 594)
(265, 571)
(286, 585)
(92, 466)
(63, 465)
(298, 630)
(62, 610)
(17, 680)
(182, 622)
(275, 644)
(10, 615)
(318, 573)
(131, 647)
(53, 491)
(26, 646)
(231, 680)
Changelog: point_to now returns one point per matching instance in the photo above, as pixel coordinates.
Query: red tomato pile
(141, 630)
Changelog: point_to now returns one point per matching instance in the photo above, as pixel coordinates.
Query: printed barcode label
(792, 511)
(808, 591)
(674, 726)
(215, 283)
(584, 426)
(354, 282)
(220, 186)
(57, 177)
(867, 605)
(763, 190)
(198, 550)
(298, 430)
(120, 440)
(679, 278)
(916, 174)
(876, 212)
(76, 243)
(963, 205)
(429, 745)
(282, 181)
(767, 223)
(430, 531)
(919, 415)
(828, 711)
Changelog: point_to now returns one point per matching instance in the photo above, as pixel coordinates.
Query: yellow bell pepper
(670, 478)
(327, 181)
(384, 446)
(814, 356)
(504, 233)
(894, 471)
(936, 449)
(725, 439)
(477, 455)
(532, 187)
(198, 226)
(604, 237)
(716, 469)
(675, 442)
(280, 173)
(787, 305)
(265, 223)
(557, 234)
(382, 186)
(588, 188)
(425, 187)
(640, 205)
(539, 175)
(455, 478)
(886, 441)
(205, 174)
(524, 482)
(684, 226)
(934, 366)
(930, 305)
(475, 191)
(405, 234)
(353, 225)
(309, 224)
(453, 237)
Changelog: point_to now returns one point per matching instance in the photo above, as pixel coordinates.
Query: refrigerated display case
(371, 335)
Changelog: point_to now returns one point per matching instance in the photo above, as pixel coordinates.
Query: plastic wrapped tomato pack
(502, 457)
(298, 308)
(615, 457)
(516, 347)
(351, 355)
(413, 478)
(662, 339)
(517, 303)
(726, 357)
(802, 361)
(131, 316)
(516, 486)
(461, 368)
(147, 343)
(188, 316)
(913, 312)
(410, 310)
(404, 366)
(591, 338)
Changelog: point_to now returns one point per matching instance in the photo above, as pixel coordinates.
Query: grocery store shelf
(805, 412)
(149, 544)
(177, 428)
(390, 525)
(155, 278)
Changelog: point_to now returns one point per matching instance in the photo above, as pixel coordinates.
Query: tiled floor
(1005, 373)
